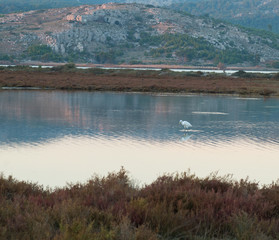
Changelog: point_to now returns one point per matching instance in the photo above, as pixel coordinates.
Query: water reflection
(37, 116)
(75, 159)
(41, 128)
(186, 137)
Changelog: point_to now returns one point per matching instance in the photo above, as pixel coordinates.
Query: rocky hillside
(263, 14)
(130, 33)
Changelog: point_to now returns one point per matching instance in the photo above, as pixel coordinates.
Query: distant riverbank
(145, 66)
(68, 77)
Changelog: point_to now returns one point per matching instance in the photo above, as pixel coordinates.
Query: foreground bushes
(173, 207)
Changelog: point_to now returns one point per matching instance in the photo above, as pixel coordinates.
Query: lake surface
(55, 137)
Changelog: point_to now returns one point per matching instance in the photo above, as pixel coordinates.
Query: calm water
(54, 137)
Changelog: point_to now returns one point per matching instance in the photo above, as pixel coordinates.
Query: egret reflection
(186, 137)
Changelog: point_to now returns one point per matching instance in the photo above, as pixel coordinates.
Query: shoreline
(67, 77)
(147, 66)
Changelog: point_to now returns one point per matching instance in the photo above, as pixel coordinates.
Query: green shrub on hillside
(6, 57)
(188, 49)
(42, 53)
(109, 57)
(275, 64)
(276, 76)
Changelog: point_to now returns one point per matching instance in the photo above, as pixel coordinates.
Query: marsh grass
(69, 77)
(244, 74)
(179, 206)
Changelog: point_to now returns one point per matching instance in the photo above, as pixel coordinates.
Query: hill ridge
(131, 33)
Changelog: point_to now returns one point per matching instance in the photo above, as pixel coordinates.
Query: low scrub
(244, 74)
(179, 206)
(69, 67)
(276, 75)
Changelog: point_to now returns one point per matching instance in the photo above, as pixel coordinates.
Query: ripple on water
(211, 113)
(247, 98)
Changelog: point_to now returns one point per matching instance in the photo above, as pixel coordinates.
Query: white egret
(185, 124)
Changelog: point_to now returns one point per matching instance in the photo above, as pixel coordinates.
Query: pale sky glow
(77, 159)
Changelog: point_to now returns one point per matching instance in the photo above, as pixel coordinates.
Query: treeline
(110, 56)
(188, 49)
(44, 53)
(179, 48)
(6, 57)
(37, 52)
(114, 208)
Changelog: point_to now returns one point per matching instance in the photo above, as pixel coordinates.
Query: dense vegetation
(167, 46)
(5, 57)
(109, 56)
(42, 53)
(172, 207)
(188, 48)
